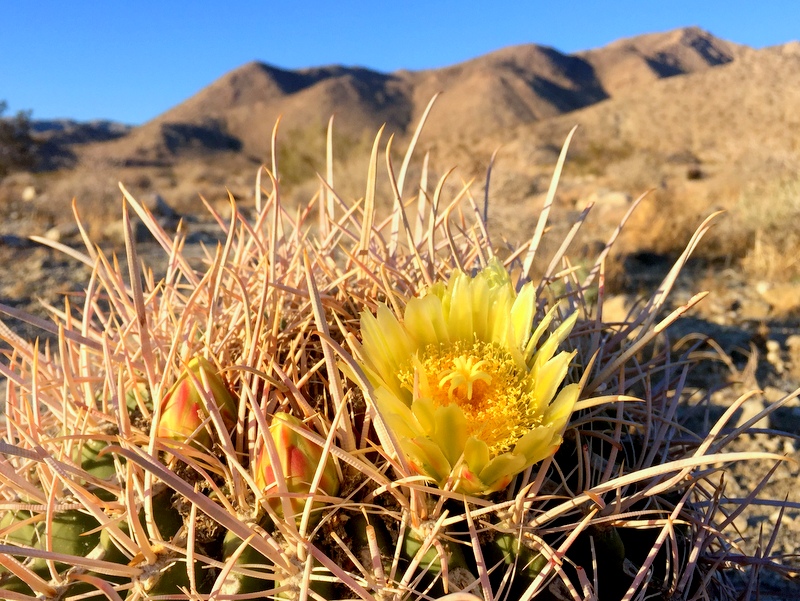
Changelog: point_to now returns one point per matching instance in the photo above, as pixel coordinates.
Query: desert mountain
(631, 63)
(744, 112)
(506, 88)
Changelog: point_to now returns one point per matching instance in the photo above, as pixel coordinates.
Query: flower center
(484, 381)
(465, 372)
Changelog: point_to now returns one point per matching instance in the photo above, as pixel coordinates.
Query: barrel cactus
(353, 401)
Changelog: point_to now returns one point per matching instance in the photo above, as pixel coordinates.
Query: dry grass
(630, 507)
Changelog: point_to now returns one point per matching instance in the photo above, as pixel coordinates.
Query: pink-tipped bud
(299, 460)
(183, 409)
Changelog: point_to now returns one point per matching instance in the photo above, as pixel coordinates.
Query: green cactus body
(11, 583)
(252, 559)
(323, 588)
(459, 576)
(431, 561)
(356, 529)
(111, 552)
(255, 561)
(144, 393)
(100, 466)
(167, 519)
(170, 579)
(172, 575)
(508, 549)
(70, 533)
(68, 530)
(14, 530)
(609, 543)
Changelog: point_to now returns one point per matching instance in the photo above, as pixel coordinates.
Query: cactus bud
(299, 458)
(183, 408)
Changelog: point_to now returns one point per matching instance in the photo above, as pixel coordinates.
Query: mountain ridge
(498, 90)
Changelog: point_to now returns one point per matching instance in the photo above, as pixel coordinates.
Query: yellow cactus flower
(467, 385)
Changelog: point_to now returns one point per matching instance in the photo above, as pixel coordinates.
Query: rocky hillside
(480, 97)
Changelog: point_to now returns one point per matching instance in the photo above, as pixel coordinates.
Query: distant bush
(17, 146)
(304, 156)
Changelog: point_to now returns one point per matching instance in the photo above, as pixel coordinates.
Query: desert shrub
(762, 228)
(17, 147)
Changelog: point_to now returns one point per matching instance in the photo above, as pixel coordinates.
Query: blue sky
(130, 61)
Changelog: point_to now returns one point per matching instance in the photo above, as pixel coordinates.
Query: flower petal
(476, 454)
(541, 328)
(550, 377)
(481, 310)
(522, 313)
(549, 346)
(537, 444)
(424, 321)
(397, 414)
(426, 458)
(495, 274)
(560, 410)
(450, 431)
(565, 328)
(459, 310)
(501, 469)
(423, 410)
(468, 482)
(386, 343)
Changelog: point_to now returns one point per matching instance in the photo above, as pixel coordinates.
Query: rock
(28, 193)
(762, 287)
(225, 210)
(115, 232)
(786, 419)
(752, 309)
(749, 409)
(793, 355)
(782, 298)
(740, 522)
(773, 394)
(156, 204)
(774, 355)
(62, 232)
